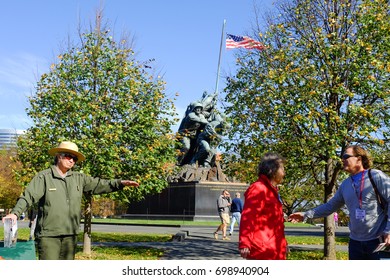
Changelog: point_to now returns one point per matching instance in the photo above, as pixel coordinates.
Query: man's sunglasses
(347, 156)
(69, 156)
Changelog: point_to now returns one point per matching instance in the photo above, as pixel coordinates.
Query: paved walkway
(198, 243)
(189, 243)
(190, 249)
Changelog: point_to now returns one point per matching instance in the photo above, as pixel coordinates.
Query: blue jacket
(237, 205)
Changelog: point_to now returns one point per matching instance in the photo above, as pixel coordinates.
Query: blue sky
(182, 36)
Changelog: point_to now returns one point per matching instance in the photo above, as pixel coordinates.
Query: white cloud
(18, 76)
(15, 121)
(18, 73)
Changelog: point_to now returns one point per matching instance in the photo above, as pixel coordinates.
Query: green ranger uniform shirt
(59, 199)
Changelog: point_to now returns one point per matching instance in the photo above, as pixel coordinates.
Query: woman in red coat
(262, 221)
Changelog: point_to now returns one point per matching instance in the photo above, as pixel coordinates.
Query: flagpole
(220, 54)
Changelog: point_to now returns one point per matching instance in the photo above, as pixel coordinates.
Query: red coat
(262, 222)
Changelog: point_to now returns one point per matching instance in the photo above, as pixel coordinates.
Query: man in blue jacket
(236, 209)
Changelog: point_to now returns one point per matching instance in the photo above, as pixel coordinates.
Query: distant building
(9, 137)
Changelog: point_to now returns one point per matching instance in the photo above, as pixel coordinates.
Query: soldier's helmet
(197, 105)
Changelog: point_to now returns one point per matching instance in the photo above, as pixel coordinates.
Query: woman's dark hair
(269, 165)
(361, 152)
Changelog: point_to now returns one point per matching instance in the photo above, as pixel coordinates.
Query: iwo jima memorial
(193, 191)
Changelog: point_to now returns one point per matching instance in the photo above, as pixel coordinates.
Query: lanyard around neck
(361, 189)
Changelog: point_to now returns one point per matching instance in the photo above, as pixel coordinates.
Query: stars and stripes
(233, 42)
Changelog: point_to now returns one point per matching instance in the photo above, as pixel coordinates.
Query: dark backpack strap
(378, 195)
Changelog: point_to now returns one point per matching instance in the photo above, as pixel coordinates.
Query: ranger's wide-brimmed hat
(67, 147)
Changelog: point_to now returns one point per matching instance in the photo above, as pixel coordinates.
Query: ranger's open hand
(129, 183)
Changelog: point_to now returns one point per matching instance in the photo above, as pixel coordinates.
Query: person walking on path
(236, 209)
(262, 221)
(223, 203)
(58, 192)
(366, 193)
(336, 219)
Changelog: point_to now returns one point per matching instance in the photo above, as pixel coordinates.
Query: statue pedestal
(184, 201)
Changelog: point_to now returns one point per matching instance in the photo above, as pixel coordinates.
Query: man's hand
(11, 216)
(129, 183)
(386, 239)
(296, 217)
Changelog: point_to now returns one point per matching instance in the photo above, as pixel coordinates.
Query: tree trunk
(331, 172)
(329, 238)
(87, 224)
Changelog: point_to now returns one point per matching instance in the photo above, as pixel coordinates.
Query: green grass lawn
(120, 252)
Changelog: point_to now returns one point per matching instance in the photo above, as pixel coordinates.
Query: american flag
(233, 41)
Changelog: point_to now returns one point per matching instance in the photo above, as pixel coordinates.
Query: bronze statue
(200, 132)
